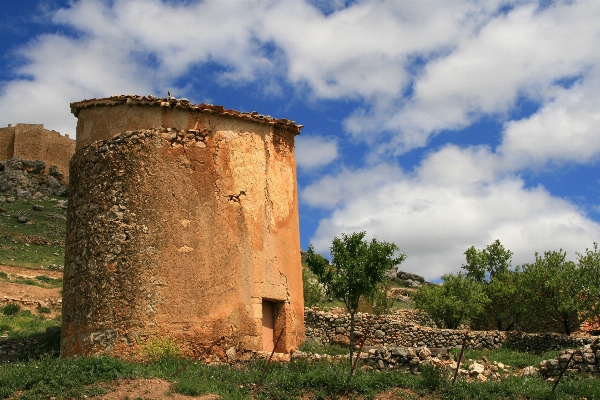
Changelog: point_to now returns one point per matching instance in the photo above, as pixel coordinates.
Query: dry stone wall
(184, 227)
(396, 330)
(585, 360)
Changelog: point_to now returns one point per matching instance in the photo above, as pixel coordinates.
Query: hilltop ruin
(33, 142)
(182, 224)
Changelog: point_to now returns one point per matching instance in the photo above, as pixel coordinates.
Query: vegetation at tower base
(357, 267)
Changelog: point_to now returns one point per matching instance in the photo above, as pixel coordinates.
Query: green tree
(556, 290)
(357, 267)
(589, 267)
(457, 300)
(313, 294)
(491, 267)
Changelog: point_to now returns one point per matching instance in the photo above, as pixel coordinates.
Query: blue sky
(437, 125)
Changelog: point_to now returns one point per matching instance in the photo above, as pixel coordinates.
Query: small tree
(457, 300)
(357, 267)
(589, 265)
(491, 267)
(555, 290)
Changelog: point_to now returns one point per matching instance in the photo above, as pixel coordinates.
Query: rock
(424, 353)
(22, 219)
(391, 274)
(342, 340)
(57, 188)
(2, 199)
(528, 372)
(10, 199)
(231, 353)
(56, 173)
(14, 164)
(379, 334)
(412, 284)
(34, 166)
(407, 275)
(299, 354)
(37, 207)
(476, 369)
(37, 195)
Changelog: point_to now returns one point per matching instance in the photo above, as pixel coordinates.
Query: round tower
(182, 227)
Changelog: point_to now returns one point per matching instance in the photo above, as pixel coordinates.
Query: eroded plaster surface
(183, 221)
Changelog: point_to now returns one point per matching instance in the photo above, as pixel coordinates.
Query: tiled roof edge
(184, 104)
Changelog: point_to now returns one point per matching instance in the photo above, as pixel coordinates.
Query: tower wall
(182, 222)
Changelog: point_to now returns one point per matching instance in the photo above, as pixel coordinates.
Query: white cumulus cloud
(315, 151)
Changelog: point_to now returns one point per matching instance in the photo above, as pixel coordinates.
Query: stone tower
(182, 223)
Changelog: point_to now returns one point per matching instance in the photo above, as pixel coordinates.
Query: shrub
(313, 293)
(160, 348)
(434, 377)
(11, 309)
(44, 310)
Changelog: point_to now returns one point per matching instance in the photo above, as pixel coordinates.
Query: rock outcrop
(25, 180)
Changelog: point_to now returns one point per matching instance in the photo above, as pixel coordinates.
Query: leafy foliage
(11, 309)
(589, 268)
(357, 267)
(555, 289)
(457, 300)
(491, 267)
(313, 293)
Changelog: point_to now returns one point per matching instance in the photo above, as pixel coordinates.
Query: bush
(44, 310)
(434, 377)
(313, 293)
(11, 309)
(160, 348)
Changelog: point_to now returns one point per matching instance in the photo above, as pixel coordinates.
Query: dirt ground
(31, 295)
(154, 389)
(146, 389)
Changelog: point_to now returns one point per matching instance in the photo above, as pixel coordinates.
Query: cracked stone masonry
(183, 224)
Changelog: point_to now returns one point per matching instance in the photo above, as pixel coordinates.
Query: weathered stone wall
(180, 231)
(391, 330)
(585, 360)
(33, 142)
(7, 142)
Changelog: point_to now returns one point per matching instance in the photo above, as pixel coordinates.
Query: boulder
(56, 173)
(391, 274)
(403, 275)
(476, 369)
(34, 166)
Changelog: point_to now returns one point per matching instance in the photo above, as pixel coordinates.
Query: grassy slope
(18, 240)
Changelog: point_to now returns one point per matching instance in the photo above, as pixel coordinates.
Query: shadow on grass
(32, 346)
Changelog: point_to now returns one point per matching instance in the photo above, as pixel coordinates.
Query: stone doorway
(268, 325)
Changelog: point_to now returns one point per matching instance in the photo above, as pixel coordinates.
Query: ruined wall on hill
(33, 142)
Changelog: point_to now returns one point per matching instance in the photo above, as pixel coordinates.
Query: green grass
(26, 244)
(24, 324)
(79, 377)
(41, 280)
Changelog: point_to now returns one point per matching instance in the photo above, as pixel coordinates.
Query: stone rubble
(22, 180)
